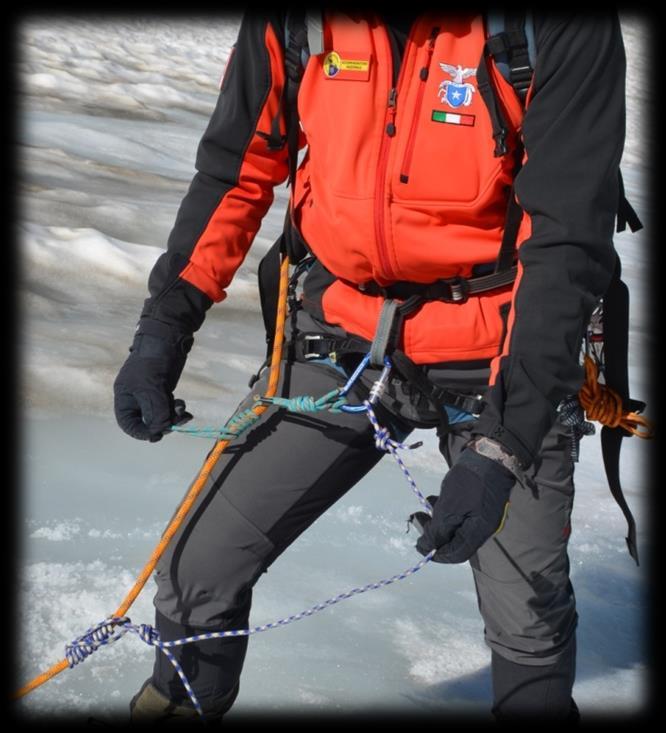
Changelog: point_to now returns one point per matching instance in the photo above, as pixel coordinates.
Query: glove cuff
(497, 452)
(157, 339)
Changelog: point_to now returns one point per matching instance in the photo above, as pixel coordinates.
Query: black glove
(470, 508)
(143, 390)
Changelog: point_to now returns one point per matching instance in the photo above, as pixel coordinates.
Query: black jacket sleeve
(573, 132)
(232, 188)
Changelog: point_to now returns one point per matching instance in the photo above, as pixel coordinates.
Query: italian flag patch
(451, 118)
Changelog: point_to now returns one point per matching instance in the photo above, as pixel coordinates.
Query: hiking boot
(149, 705)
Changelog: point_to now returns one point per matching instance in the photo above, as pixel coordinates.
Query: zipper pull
(392, 102)
(423, 73)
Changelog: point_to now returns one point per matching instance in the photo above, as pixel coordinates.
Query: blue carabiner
(377, 388)
(350, 382)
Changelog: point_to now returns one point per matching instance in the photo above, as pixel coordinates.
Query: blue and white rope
(294, 617)
(383, 441)
(83, 646)
(112, 629)
(151, 636)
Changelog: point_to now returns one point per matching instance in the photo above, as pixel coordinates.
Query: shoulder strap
(295, 42)
(511, 43)
(300, 35)
(296, 54)
(314, 24)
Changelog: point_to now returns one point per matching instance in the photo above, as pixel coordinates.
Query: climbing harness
(115, 627)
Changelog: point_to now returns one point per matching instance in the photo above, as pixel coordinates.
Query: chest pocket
(445, 143)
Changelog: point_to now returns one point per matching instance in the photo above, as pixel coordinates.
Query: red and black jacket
(400, 183)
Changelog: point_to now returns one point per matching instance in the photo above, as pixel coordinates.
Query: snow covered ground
(111, 113)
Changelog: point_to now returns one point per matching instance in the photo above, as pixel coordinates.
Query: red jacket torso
(406, 189)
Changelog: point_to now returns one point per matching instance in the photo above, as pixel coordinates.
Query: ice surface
(111, 113)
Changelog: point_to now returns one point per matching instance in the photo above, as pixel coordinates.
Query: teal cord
(332, 401)
(235, 427)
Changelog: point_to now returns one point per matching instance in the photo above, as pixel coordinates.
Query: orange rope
(197, 486)
(604, 405)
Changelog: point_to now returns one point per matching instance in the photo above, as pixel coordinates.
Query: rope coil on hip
(603, 404)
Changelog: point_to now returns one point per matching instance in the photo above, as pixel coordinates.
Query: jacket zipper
(381, 179)
(411, 140)
(380, 186)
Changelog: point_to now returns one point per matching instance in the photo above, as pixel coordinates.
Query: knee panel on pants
(188, 579)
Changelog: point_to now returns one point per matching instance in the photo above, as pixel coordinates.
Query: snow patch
(60, 532)
(436, 651)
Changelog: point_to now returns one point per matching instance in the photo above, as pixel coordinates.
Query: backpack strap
(302, 32)
(506, 256)
(304, 37)
(296, 40)
(314, 24)
(497, 117)
(511, 43)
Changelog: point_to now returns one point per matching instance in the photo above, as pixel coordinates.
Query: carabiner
(376, 390)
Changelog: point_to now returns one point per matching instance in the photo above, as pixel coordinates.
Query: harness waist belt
(309, 346)
(318, 346)
(450, 290)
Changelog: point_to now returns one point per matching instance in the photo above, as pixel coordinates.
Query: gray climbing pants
(274, 481)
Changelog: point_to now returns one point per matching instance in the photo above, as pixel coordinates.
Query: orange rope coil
(603, 404)
(197, 486)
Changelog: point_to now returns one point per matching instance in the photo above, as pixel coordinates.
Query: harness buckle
(307, 339)
(459, 289)
(475, 405)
